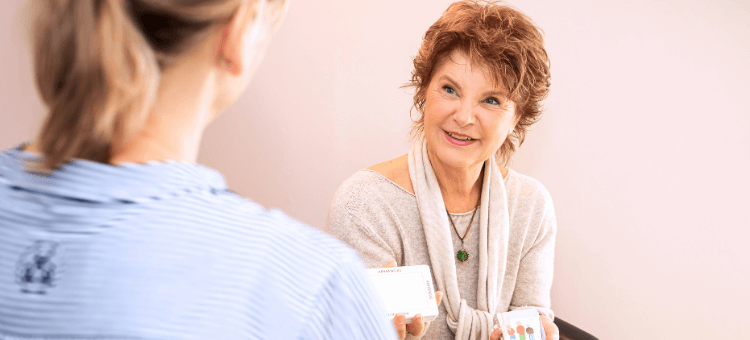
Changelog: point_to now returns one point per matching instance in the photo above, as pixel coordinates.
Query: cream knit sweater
(380, 220)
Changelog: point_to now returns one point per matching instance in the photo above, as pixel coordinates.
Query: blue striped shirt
(165, 251)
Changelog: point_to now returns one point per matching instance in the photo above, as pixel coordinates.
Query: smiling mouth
(461, 138)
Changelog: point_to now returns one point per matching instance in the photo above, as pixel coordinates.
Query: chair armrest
(570, 332)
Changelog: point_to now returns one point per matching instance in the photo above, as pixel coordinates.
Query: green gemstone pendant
(462, 255)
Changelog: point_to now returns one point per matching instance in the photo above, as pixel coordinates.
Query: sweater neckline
(511, 172)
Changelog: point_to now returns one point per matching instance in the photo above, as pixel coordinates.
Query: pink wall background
(645, 145)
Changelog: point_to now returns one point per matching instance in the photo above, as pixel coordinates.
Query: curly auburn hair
(502, 39)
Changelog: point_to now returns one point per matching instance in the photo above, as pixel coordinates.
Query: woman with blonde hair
(108, 228)
(486, 231)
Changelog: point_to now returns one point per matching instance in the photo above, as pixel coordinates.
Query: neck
(461, 186)
(173, 130)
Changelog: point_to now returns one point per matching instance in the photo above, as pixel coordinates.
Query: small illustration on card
(521, 325)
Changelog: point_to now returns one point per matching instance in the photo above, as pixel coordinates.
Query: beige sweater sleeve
(535, 272)
(534, 228)
(372, 247)
(359, 218)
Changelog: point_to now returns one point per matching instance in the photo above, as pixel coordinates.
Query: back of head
(97, 65)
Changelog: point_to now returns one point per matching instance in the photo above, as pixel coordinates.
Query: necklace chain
(467, 229)
(462, 254)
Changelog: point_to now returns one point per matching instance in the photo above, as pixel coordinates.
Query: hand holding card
(409, 296)
(522, 325)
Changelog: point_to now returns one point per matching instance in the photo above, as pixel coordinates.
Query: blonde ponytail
(97, 66)
(96, 74)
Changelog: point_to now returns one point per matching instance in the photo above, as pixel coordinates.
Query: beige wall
(645, 145)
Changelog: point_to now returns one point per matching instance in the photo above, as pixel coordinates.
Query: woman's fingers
(416, 326)
(550, 329)
(390, 264)
(496, 334)
(399, 322)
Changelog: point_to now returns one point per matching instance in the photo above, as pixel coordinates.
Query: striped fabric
(164, 251)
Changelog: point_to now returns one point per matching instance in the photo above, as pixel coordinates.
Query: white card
(406, 290)
(522, 324)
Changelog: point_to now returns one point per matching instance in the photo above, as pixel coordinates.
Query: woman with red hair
(486, 231)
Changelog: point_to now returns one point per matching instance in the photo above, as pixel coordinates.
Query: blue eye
(448, 89)
(492, 101)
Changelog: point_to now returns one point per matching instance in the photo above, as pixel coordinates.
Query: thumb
(390, 264)
(496, 334)
(550, 328)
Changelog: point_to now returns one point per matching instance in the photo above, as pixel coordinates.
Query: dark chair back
(570, 332)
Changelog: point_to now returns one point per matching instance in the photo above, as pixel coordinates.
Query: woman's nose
(464, 114)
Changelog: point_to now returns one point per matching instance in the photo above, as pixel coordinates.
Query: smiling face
(467, 117)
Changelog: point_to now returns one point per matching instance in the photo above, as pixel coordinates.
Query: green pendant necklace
(462, 255)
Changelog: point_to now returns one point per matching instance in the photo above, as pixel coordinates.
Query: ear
(231, 47)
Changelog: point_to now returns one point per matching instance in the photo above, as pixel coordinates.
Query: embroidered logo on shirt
(39, 267)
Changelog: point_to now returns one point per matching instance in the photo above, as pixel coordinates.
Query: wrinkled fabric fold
(465, 322)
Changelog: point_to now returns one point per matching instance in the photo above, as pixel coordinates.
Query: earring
(225, 64)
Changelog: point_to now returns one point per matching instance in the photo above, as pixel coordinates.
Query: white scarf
(465, 322)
